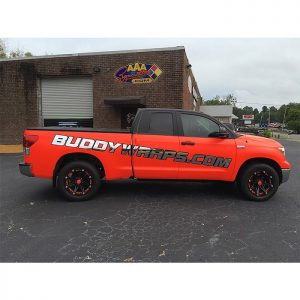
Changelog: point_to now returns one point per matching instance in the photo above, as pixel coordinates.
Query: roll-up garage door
(67, 100)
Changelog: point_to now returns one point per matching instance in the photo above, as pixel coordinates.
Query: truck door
(208, 158)
(156, 143)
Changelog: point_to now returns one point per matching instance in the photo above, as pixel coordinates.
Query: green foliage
(226, 100)
(16, 53)
(28, 54)
(267, 133)
(247, 110)
(215, 101)
(293, 114)
(230, 99)
(294, 125)
(283, 114)
(2, 49)
(238, 112)
(13, 53)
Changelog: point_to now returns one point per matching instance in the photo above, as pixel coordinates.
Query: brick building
(92, 89)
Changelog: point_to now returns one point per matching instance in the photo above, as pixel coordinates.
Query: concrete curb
(286, 139)
(11, 148)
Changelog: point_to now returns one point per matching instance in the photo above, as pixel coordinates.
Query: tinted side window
(161, 123)
(198, 126)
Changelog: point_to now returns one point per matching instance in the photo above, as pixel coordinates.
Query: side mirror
(222, 134)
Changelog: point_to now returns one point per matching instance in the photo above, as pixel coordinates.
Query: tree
(274, 115)
(28, 54)
(12, 54)
(293, 114)
(257, 115)
(290, 115)
(237, 111)
(294, 125)
(226, 100)
(15, 53)
(282, 113)
(230, 99)
(2, 49)
(285, 114)
(248, 110)
(19, 53)
(215, 101)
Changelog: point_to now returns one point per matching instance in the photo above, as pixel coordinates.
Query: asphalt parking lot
(148, 221)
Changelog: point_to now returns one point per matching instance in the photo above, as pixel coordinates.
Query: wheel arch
(263, 160)
(77, 156)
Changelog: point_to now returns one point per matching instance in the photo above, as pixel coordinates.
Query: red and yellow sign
(138, 73)
(248, 117)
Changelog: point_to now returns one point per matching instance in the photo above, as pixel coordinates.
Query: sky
(257, 71)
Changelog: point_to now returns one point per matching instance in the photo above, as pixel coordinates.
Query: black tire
(78, 180)
(258, 182)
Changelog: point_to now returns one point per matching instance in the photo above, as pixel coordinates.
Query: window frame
(180, 126)
(145, 118)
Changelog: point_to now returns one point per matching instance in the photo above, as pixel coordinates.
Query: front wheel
(78, 180)
(258, 182)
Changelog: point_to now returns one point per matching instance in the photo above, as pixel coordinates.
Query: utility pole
(283, 124)
(269, 117)
(260, 119)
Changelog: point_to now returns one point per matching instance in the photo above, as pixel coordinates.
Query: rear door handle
(187, 143)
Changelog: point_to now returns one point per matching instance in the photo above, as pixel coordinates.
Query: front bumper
(25, 169)
(285, 175)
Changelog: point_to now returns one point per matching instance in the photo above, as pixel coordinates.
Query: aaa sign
(138, 73)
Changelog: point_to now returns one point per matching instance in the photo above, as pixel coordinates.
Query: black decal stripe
(152, 153)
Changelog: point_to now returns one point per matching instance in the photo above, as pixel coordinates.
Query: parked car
(253, 130)
(162, 144)
(289, 131)
(274, 125)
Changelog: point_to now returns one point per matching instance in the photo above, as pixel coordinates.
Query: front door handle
(187, 143)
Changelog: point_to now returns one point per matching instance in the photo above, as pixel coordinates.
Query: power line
(260, 103)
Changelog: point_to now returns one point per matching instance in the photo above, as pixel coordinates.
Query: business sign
(138, 73)
(248, 117)
(247, 122)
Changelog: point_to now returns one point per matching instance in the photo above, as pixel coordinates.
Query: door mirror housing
(220, 134)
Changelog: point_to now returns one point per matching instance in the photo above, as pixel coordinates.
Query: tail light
(29, 140)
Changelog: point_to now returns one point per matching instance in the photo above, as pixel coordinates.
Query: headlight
(282, 150)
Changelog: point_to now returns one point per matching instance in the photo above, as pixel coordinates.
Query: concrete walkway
(11, 148)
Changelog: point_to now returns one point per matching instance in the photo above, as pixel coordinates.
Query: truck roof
(174, 109)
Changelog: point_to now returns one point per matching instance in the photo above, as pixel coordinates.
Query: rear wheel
(258, 182)
(78, 180)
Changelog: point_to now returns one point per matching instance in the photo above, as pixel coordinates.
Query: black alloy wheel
(258, 182)
(79, 180)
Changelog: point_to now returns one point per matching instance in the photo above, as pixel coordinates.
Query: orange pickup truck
(162, 144)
